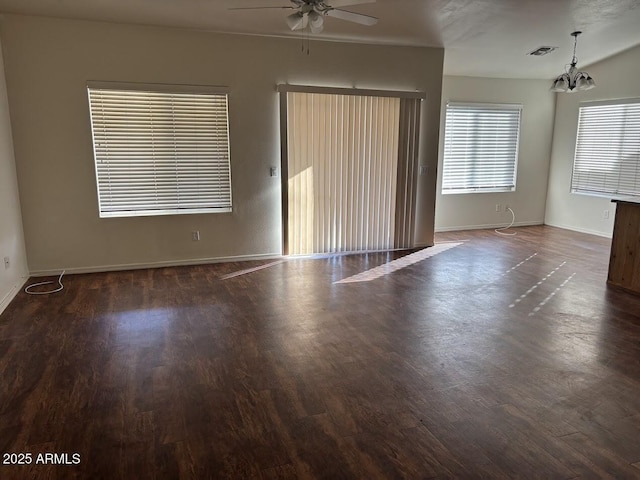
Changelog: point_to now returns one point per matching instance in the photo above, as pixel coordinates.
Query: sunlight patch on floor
(250, 270)
(399, 264)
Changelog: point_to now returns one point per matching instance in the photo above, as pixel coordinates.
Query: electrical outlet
(195, 235)
(273, 171)
(605, 214)
(498, 207)
(506, 208)
(424, 169)
(7, 262)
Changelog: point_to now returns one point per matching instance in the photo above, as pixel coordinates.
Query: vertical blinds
(406, 191)
(607, 157)
(159, 153)
(342, 172)
(480, 148)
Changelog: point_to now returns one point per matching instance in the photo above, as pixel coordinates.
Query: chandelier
(573, 80)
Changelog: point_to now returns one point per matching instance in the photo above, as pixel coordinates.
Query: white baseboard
(581, 230)
(11, 294)
(485, 227)
(169, 263)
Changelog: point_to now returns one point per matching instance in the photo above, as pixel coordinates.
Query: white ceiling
(481, 37)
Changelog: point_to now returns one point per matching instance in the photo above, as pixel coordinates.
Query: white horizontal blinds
(607, 158)
(160, 153)
(480, 148)
(342, 162)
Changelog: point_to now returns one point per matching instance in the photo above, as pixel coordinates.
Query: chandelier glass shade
(573, 80)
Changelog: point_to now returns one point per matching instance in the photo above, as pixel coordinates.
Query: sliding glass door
(349, 163)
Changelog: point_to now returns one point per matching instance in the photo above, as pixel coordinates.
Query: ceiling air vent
(540, 51)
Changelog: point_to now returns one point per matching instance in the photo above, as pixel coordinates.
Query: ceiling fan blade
(347, 3)
(352, 17)
(262, 8)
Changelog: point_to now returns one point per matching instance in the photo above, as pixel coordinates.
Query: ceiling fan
(311, 13)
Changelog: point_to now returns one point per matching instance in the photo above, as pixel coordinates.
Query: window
(607, 158)
(480, 148)
(160, 150)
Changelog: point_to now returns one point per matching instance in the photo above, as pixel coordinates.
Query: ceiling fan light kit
(311, 13)
(297, 21)
(573, 80)
(316, 22)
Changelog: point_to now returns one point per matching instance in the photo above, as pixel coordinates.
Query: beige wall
(48, 63)
(478, 210)
(11, 237)
(616, 77)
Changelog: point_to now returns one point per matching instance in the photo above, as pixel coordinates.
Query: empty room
(341, 239)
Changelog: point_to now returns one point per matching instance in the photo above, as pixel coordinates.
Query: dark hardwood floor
(502, 357)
